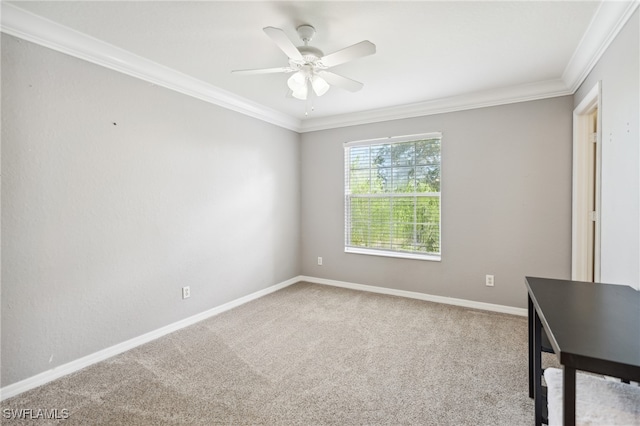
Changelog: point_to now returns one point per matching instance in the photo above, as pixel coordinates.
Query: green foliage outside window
(393, 196)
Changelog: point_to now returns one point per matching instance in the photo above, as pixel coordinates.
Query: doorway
(585, 244)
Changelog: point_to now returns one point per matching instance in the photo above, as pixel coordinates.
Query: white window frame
(347, 196)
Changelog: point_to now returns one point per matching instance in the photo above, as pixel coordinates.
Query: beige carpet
(310, 355)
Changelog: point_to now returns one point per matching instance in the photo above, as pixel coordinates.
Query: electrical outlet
(489, 280)
(186, 292)
(319, 261)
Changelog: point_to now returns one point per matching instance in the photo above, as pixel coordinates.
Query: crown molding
(36, 29)
(605, 25)
(488, 98)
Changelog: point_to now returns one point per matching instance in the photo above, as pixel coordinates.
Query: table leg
(530, 326)
(537, 368)
(569, 396)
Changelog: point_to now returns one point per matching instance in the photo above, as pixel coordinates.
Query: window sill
(401, 255)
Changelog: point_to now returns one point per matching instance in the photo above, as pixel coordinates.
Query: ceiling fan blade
(340, 81)
(358, 50)
(283, 42)
(264, 71)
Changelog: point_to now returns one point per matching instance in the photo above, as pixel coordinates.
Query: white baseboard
(420, 296)
(73, 366)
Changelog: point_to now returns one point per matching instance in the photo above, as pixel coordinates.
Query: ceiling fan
(309, 64)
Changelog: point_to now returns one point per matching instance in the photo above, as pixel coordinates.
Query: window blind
(392, 196)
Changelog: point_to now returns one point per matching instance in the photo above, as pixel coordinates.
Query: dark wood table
(591, 327)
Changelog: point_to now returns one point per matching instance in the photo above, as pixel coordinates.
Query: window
(392, 197)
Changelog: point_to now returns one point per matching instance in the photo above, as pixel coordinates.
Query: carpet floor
(309, 355)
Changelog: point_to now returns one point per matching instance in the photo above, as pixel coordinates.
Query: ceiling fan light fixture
(320, 85)
(297, 81)
(301, 93)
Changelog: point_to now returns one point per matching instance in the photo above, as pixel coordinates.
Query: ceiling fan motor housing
(310, 53)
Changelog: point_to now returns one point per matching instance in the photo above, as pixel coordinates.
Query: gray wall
(506, 203)
(619, 72)
(103, 223)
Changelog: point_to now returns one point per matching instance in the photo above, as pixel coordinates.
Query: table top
(591, 327)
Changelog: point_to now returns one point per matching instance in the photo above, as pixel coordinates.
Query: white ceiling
(426, 50)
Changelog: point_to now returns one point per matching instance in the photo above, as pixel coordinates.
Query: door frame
(581, 217)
